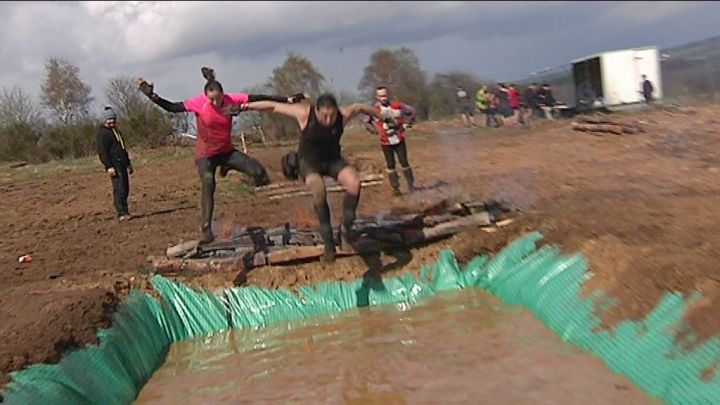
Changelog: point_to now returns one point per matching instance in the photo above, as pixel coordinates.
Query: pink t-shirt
(214, 130)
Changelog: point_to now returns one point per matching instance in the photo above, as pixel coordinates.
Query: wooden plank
(334, 189)
(299, 185)
(302, 187)
(301, 253)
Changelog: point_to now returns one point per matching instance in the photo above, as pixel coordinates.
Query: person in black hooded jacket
(116, 161)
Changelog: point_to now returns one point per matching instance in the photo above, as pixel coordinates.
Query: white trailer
(615, 78)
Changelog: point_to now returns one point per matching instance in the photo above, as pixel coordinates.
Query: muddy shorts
(330, 167)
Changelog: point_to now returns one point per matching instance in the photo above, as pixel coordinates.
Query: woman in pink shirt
(214, 138)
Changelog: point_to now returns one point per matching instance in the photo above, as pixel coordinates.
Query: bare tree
(400, 71)
(16, 106)
(142, 122)
(297, 75)
(122, 94)
(63, 91)
(441, 95)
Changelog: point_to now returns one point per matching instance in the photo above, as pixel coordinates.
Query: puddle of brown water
(462, 347)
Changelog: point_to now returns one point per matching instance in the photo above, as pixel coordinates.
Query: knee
(208, 180)
(259, 175)
(319, 199)
(353, 186)
(317, 189)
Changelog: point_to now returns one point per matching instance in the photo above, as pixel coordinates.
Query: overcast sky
(168, 42)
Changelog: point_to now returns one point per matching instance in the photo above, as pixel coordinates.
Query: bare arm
(297, 111)
(349, 112)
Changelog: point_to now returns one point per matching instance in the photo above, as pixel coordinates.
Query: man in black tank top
(319, 155)
(319, 149)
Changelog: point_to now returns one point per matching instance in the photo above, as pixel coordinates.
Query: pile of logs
(255, 246)
(676, 110)
(294, 189)
(599, 125)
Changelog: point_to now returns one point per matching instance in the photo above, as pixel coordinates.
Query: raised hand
(145, 87)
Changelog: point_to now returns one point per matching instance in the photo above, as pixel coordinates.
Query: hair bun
(208, 73)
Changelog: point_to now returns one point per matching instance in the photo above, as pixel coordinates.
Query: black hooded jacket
(111, 148)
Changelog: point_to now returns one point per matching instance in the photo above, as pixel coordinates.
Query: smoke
(515, 188)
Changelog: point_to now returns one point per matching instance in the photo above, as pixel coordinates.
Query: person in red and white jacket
(391, 133)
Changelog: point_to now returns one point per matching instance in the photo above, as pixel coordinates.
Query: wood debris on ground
(601, 124)
(253, 247)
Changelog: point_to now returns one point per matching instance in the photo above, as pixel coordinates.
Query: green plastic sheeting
(541, 280)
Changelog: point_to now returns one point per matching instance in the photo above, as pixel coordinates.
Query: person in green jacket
(482, 102)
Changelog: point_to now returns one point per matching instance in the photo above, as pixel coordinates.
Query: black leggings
(234, 160)
(391, 150)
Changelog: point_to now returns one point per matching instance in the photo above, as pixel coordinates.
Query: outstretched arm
(297, 111)
(279, 99)
(369, 123)
(349, 112)
(169, 106)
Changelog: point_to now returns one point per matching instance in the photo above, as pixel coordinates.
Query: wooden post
(262, 134)
(242, 139)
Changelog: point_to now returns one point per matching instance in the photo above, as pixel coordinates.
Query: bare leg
(316, 185)
(350, 180)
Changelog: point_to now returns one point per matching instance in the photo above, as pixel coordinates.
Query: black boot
(394, 182)
(207, 234)
(410, 178)
(328, 256)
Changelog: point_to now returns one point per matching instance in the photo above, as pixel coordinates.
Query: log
(183, 249)
(600, 120)
(613, 129)
(608, 128)
(452, 227)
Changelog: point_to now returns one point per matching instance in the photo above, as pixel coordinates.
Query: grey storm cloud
(169, 41)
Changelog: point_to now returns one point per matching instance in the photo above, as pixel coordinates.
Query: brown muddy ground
(644, 208)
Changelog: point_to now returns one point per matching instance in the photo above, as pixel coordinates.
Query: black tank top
(319, 143)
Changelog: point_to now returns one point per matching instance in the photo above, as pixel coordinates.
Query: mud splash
(462, 347)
